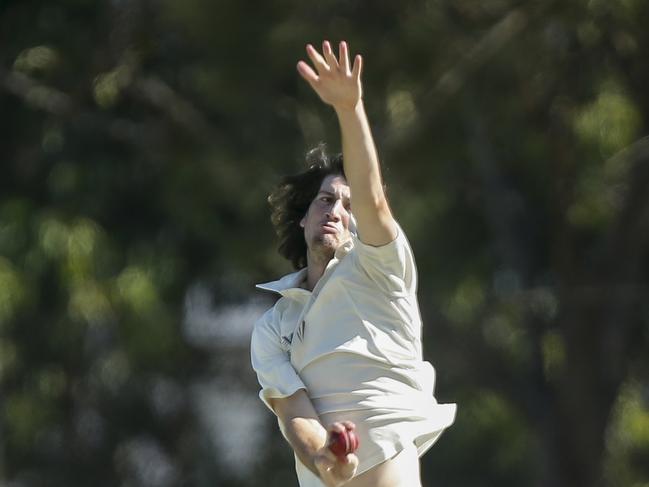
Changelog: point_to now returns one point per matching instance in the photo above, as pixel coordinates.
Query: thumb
(323, 463)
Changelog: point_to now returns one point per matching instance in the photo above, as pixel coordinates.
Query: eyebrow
(345, 197)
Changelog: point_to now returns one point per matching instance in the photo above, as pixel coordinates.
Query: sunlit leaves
(82, 245)
(503, 332)
(108, 86)
(137, 290)
(465, 302)
(554, 353)
(610, 123)
(628, 437)
(8, 358)
(486, 420)
(12, 294)
(39, 59)
(89, 302)
(28, 413)
(53, 235)
(401, 110)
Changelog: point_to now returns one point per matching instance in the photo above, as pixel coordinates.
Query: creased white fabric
(354, 344)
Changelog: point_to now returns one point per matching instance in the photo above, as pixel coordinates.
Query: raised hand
(335, 82)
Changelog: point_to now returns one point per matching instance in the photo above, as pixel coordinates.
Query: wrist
(345, 110)
(319, 459)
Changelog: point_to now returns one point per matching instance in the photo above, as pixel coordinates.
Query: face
(326, 223)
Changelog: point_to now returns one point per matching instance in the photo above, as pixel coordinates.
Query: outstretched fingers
(344, 57)
(331, 77)
(307, 72)
(329, 55)
(358, 67)
(345, 65)
(327, 62)
(319, 62)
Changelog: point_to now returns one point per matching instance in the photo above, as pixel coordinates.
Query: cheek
(308, 216)
(311, 218)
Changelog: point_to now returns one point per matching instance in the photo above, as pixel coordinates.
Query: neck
(316, 265)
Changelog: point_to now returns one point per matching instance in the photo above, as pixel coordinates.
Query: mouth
(329, 228)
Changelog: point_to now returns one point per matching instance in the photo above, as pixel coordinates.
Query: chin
(328, 243)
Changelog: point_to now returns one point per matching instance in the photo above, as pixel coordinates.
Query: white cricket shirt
(354, 344)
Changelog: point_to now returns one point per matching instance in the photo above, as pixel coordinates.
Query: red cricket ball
(343, 443)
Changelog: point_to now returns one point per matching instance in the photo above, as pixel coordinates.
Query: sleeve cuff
(271, 393)
(381, 249)
(287, 383)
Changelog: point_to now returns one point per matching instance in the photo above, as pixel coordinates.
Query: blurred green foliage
(139, 139)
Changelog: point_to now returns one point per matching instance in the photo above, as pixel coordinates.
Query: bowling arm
(302, 428)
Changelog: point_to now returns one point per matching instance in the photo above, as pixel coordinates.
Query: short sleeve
(390, 266)
(271, 362)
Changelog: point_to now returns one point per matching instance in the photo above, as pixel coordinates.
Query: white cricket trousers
(404, 466)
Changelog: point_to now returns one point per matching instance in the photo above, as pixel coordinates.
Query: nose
(335, 210)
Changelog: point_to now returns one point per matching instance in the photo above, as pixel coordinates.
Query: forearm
(306, 436)
(301, 426)
(360, 157)
(363, 173)
(338, 84)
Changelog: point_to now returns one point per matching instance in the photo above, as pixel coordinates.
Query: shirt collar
(345, 248)
(292, 282)
(287, 283)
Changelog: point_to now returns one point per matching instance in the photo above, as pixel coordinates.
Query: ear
(303, 221)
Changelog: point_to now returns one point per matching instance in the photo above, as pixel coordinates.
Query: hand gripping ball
(343, 443)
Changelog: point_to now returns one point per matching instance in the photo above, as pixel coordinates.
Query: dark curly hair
(291, 198)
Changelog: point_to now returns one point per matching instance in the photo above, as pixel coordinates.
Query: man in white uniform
(341, 348)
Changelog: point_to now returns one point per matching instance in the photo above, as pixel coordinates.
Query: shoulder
(398, 248)
(391, 266)
(273, 315)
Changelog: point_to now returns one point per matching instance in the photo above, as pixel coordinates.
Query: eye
(326, 199)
